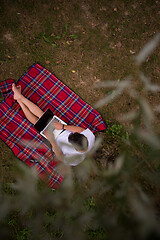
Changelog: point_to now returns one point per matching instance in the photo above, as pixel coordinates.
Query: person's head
(79, 141)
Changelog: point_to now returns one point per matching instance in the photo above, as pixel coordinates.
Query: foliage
(52, 39)
(121, 201)
(116, 130)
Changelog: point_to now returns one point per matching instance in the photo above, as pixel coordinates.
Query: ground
(83, 43)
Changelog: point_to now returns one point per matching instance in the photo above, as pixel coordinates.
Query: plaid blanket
(44, 89)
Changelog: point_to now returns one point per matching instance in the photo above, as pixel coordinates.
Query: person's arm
(58, 152)
(70, 128)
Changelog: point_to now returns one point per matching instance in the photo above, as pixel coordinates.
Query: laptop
(46, 121)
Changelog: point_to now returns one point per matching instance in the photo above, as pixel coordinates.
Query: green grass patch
(116, 130)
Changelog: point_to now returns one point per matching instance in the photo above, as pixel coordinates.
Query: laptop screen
(43, 120)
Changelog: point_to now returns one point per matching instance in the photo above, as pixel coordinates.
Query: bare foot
(17, 91)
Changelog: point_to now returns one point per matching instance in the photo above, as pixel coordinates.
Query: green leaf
(73, 36)
(46, 39)
(66, 27)
(54, 45)
(57, 37)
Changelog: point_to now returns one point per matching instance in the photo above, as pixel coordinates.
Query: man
(71, 145)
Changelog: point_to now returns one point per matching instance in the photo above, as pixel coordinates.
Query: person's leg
(30, 105)
(29, 115)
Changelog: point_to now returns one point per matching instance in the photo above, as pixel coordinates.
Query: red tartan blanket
(44, 89)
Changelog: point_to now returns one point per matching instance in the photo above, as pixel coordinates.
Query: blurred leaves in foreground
(118, 202)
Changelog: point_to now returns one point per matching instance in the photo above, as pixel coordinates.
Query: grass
(16, 228)
(82, 43)
(116, 130)
(94, 29)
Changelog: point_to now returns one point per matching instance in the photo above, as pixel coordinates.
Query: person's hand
(58, 125)
(49, 135)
